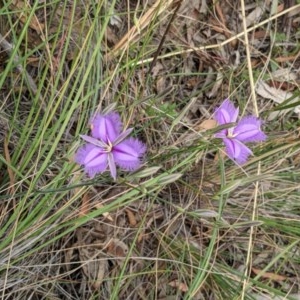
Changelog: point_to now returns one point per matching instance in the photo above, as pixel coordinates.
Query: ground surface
(190, 223)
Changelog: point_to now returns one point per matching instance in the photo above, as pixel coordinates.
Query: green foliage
(190, 223)
(163, 110)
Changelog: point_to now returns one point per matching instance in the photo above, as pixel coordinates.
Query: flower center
(108, 147)
(230, 133)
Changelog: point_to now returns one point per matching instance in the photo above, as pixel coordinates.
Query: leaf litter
(98, 251)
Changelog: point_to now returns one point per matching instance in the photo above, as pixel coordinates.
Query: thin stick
(164, 37)
(223, 43)
(255, 202)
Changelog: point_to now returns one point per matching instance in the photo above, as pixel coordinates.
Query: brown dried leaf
(21, 8)
(207, 124)
(117, 248)
(93, 265)
(131, 218)
(255, 15)
(278, 96)
(106, 214)
(269, 275)
(157, 68)
(282, 59)
(284, 75)
(219, 11)
(179, 285)
(141, 236)
(203, 7)
(110, 36)
(85, 205)
(160, 84)
(115, 20)
(216, 86)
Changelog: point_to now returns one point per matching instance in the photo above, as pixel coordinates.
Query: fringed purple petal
(128, 154)
(106, 127)
(112, 166)
(236, 150)
(92, 158)
(123, 136)
(248, 130)
(93, 141)
(222, 134)
(226, 113)
(108, 147)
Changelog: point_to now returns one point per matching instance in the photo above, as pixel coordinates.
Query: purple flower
(108, 147)
(246, 130)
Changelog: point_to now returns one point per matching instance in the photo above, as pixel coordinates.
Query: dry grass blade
(190, 223)
(9, 49)
(9, 170)
(156, 10)
(257, 185)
